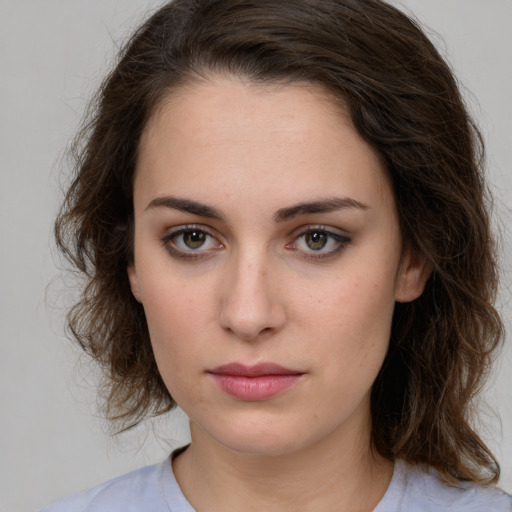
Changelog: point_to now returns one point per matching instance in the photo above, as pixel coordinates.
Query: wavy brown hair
(405, 102)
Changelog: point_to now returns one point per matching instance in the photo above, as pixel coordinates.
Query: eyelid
(337, 235)
(341, 238)
(170, 246)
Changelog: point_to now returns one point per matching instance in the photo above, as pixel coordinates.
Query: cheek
(173, 298)
(172, 340)
(351, 361)
(354, 303)
(175, 318)
(350, 323)
(180, 316)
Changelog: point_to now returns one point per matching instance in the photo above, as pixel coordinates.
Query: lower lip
(253, 389)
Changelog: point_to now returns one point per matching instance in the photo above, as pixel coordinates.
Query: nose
(251, 303)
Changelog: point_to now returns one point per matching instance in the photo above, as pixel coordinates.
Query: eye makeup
(193, 242)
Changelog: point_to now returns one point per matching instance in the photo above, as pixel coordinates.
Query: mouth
(256, 382)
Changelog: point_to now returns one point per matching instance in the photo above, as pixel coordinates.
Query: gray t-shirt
(154, 489)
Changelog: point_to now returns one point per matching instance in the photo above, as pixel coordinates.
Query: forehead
(232, 133)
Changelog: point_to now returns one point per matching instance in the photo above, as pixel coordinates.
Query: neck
(316, 478)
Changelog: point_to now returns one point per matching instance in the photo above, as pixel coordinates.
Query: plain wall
(53, 54)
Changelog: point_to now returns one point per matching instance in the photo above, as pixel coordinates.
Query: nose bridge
(250, 302)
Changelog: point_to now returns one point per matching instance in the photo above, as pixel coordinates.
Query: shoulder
(419, 488)
(142, 486)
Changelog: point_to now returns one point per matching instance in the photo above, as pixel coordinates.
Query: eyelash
(169, 242)
(340, 240)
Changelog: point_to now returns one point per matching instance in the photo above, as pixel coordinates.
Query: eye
(190, 242)
(319, 242)
(316, 241)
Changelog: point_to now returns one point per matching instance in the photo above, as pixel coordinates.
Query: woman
(280, 209)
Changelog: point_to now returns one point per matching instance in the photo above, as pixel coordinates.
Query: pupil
(316, 241)
(194, 239)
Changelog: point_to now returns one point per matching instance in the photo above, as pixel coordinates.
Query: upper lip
(256, 370)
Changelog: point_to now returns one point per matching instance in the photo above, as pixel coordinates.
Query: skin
(263, 287)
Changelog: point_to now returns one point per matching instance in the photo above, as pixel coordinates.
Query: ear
(412, 276)
(134, 281)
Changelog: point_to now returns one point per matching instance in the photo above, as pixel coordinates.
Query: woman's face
(268, 258)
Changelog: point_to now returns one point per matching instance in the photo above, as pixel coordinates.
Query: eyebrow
(283, 214)
(321, 206)
(185, 205)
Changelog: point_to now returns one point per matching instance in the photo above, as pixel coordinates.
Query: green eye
(315, 240)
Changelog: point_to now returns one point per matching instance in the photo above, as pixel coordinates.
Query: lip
(255, 382)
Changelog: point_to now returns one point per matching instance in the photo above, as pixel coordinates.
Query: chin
(269, 446)
(263, 440)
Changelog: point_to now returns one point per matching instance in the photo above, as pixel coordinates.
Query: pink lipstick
(254, 383)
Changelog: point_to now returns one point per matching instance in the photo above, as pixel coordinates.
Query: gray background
(52, 56)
